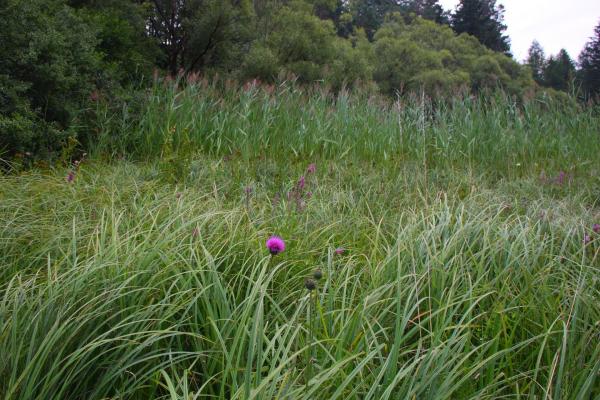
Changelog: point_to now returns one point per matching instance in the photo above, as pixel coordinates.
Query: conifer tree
(589, 62)
(483, 19)
(559, 71)
(536, 60)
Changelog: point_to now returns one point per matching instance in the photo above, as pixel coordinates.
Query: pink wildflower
(596, 228)
(301, 183)
(339, 251)
(70, 177)
(560, 179)
(276, 245)
(587, 239)
(312, 168)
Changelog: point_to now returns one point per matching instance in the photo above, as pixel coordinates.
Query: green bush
(423, 55)
(48, 68)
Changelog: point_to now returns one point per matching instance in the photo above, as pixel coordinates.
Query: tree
(370, 14)
(536, 60)
(484, 20)
(589, 62)
(427, 9)
(423, 55)
(299, 43)
(120, 27)
(48, 70)
(197, 34)
(559, 71)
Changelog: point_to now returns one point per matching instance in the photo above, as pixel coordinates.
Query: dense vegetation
(457, 243)
(439, 207)
(60, 57)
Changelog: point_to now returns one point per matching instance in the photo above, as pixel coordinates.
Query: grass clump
(455, 260)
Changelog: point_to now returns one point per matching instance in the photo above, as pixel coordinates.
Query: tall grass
(266, 121)
(465, 274)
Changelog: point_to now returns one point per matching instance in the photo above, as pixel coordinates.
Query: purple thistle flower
(276, 245)
(596, 228)
(71, 177)
(312, 168)
(339, 251)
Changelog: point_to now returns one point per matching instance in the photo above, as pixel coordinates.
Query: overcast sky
(556, 24)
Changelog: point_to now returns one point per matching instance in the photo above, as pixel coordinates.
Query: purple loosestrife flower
(276, 245)
(301, 183)
(560, 179)
(312, 168)
(596, 228)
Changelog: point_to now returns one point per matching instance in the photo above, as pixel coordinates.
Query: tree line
(560, 71)
(61, 56)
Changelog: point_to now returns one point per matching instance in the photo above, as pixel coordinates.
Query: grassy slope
(464, 276)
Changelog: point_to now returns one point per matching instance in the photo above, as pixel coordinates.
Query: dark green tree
(427, 9)
(299, 43)
(48, 71)
(483, 19)
(200, 34)
(120, 26)
(589, 62)
(536, 60)
(559, 71)
(370, 14)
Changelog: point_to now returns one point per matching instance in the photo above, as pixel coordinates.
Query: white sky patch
(556, 24)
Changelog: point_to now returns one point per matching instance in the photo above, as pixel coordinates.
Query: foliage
(302, 43)
(82, 54)
(370, 14)
(426, 55)
(427, 9)
(484, 20)
(560, 71)
(536, 60)
(557, 72)
(589, 61)
(48, 70)
(200, 34)
(128, 54)
(466, 271)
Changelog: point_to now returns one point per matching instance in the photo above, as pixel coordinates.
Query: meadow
(456, 241)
